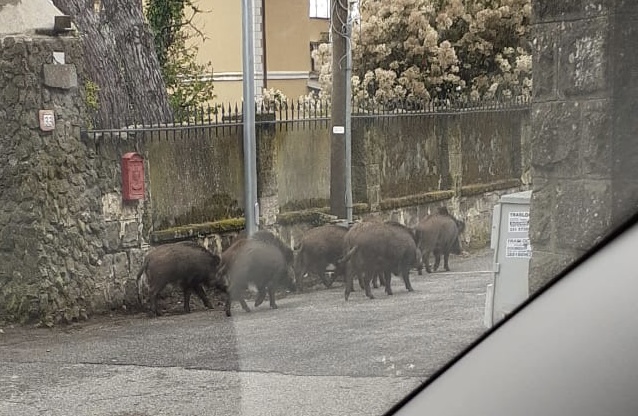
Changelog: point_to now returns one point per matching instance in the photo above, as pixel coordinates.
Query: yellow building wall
(221, 25)
(292, 88)
(288, 33)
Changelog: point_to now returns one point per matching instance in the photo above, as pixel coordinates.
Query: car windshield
(405, 175)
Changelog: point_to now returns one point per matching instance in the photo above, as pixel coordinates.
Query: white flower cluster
(271, 100)
(438, 49)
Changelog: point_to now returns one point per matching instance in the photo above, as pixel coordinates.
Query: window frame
(313, 5)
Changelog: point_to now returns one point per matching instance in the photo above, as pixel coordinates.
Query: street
(315, 355)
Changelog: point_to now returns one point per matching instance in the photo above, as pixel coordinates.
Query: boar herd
(372, 251)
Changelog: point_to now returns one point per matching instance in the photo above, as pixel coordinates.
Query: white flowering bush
(323, 60)
(271, 100)
(438, 50)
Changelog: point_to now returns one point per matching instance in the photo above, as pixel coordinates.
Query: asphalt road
(315, 355)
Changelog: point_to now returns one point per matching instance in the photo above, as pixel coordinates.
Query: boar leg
(406, 279)
(387, 280)
(299, 279)
(300, 272)
(202, 295)
(375, 281)
(154, 309)
(261, 295)
(349, 285)
(271, 297)
(446, 257)
(437, 260)
(426, 260)
(227, 307)
(366, 277)
(244, 305)
(187, 298)
(361, 279)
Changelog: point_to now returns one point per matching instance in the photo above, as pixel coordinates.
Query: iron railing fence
(293, 114)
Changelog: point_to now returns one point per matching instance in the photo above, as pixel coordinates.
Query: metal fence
(296, 114)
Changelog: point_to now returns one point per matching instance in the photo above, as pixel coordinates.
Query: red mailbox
(132, 177)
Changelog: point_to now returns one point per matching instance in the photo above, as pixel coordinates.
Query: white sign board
(518, 222)
(518, 248)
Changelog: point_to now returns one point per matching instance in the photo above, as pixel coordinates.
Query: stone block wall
(51, 231)
(68, 244)
(583, 141)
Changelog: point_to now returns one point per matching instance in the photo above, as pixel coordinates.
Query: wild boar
(439, 234)
(249, 261)
(185, 263)
(320, 247)
(373, 248)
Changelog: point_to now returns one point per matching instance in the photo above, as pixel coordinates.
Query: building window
(320, 9)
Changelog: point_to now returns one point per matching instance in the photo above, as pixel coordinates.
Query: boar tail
(348, 255)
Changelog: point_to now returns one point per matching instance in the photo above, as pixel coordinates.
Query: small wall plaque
(47, 120)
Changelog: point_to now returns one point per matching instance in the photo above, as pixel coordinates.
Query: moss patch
(195, 230)
(314, 217)
(316, 214)
(218, 207)
(360, 208)
(306, 204)
(412, 200)
(479, 189)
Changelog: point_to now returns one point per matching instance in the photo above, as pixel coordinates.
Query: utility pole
(348, 124)
(340, 149)
(251, 205)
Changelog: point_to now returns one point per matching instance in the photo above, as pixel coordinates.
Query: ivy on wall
(188, 81)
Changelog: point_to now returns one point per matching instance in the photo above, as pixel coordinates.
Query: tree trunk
(120, 58)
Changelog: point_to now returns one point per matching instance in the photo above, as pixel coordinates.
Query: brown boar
(438, 234)
(249, 261)
(320, 247)
(185, 263)
(373, 248)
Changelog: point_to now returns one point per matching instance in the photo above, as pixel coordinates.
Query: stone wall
(68, 244)
(307, 187)
(50, 228)
(584, 128)
(196, 174)
(401, 157)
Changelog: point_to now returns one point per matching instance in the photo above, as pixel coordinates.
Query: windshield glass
(407, 173)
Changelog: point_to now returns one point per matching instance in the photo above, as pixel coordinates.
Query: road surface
(315, 355)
